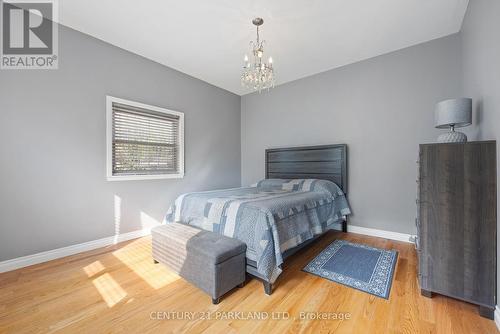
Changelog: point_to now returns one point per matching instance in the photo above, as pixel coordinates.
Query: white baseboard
(29, 260)
(379, 233)
(497, 317)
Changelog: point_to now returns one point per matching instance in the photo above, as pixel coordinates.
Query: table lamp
(451, 114)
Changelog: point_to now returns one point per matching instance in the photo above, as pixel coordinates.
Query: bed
(303, 194)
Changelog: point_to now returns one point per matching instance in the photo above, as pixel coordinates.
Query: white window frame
(109, 141)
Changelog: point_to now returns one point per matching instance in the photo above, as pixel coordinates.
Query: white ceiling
(208, 38)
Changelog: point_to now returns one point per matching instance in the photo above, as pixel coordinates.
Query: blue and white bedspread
(271, 217)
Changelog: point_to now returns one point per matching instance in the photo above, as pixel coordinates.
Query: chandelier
(257, 74)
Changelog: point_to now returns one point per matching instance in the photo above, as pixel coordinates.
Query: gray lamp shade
(455, 112)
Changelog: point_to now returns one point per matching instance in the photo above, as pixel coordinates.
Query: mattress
(271, 216)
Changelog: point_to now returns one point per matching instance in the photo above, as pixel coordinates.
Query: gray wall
(481, 71)
(382, 108)
(53, 188)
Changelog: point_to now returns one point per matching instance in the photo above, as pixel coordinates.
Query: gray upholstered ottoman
(213, 262)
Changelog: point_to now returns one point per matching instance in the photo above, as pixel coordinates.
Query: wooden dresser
(456, 222)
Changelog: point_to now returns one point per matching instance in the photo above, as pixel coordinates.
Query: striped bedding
(271, 216)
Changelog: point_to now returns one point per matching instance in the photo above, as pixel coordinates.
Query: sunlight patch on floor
(93, 268)
(110, 290)
(137, 256)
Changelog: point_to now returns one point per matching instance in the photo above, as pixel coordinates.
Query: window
(143, 142)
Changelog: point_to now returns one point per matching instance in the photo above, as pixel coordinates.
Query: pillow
(270, 184)
(301, 185)
(280, 184)
(293, 185)
(324, 186)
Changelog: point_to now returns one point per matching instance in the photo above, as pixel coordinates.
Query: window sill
(144, 177)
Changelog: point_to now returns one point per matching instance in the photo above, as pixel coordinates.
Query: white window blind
(146, 141)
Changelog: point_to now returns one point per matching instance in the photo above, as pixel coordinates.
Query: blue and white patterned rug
(361, 267)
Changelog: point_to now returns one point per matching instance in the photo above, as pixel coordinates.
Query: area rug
(358, 266)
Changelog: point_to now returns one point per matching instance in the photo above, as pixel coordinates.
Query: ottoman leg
(268, 288)
(215, 301)
(155, 262)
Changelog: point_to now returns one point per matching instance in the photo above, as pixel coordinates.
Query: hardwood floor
(119, 290)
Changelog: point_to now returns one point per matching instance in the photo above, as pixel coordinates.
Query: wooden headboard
(326, 162)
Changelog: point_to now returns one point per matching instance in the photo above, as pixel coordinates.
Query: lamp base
(452, 137)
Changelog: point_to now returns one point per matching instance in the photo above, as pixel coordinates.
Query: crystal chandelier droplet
(257, 74)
